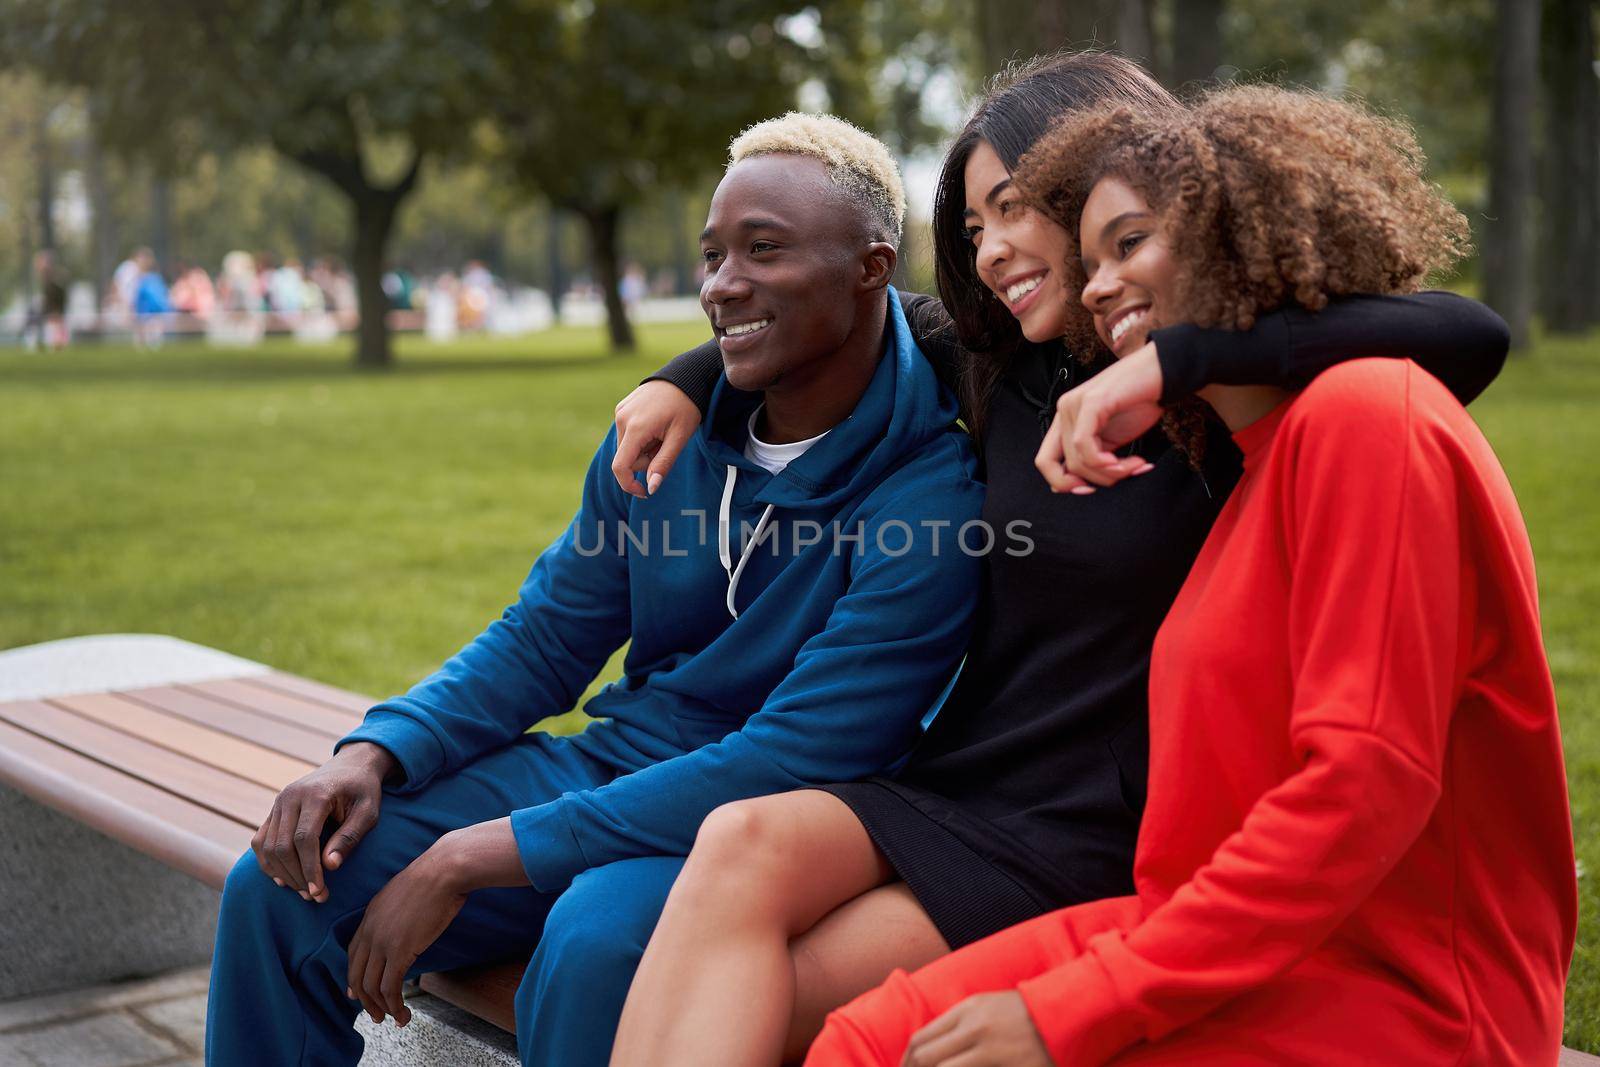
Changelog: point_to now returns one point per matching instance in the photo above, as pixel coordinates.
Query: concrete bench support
(77, 908)
(438, 1032)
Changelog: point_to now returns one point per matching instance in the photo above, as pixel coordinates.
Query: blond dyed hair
(858, 163)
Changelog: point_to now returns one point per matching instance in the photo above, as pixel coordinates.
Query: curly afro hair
(1265, 196)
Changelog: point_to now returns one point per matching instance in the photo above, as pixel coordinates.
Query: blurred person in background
(151, 303)
(236, 289)
(476, 296)
(125, 282)
(286, 290)
(47, 320)
(338, 289)
(193, 293)
(398, 285)
(633, 286)
(238, 319)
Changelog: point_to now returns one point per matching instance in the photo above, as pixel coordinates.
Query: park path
(150, 1022)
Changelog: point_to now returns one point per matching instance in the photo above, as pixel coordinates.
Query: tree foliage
(597, 103)
(357, 91)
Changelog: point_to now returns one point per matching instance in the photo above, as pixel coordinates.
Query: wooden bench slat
(223, 793)
(246, 723)
(294, 685)
(189, 838)
(283, 706)
(488, 991)
(243, 758)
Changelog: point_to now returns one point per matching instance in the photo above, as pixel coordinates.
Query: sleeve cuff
(695, 373)
(419, 753)
(1076, 1011)
(1192, 358)
(551, 856)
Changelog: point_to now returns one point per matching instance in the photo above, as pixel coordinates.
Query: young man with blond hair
(795, 601)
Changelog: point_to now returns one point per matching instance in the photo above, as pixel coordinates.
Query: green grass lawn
(358, 528)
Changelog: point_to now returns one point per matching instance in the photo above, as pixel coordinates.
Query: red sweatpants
(876, 1027)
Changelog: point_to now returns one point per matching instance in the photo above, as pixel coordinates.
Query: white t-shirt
(775, 457)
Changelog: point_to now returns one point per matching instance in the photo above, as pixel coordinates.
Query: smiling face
(1017, 250)
(780, 248)
(1129, 267)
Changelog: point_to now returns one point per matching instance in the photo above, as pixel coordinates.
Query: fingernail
(1145, 469)
(655, 483)
(278, 882)
(1082, 490)
(312, 889)
(334, 859)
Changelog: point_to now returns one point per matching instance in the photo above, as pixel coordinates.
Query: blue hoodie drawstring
(724, 539)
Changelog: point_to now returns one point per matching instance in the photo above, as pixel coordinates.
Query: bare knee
(747, 838)
(742, 860)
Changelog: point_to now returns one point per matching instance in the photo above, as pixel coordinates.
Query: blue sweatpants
(278, 974)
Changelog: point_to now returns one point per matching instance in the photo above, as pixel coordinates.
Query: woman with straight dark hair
(1025, 793)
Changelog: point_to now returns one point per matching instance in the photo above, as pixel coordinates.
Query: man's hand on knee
(349, 788)
(400, 922)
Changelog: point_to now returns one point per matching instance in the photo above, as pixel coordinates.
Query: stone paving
(161, 1022)
(151, 1022)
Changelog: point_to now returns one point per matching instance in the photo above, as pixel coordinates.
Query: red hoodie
(1357, 847)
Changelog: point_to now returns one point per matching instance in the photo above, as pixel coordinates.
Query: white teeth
(747, 327)
(1125, 324)
(1023, 288)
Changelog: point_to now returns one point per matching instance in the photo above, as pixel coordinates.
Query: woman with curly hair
(1024, 794)
(1357, 847)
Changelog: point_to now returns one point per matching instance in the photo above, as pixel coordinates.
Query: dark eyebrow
(1120, 219)
(999, 187)
(751, 224)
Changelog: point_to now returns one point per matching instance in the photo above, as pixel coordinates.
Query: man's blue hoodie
(854, 603)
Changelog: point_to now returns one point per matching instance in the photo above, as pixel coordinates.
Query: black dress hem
(967, 896)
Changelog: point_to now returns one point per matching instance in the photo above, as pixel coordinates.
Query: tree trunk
(1196, 41)
(374, 222)
(373, 212)
(46, 180)
(103, 228)
(1507, 246)
(1020, 29)
(683, 280)
(558, 270)
(161, 224)
(1571, 200)
(603, 232)
(1136, 31)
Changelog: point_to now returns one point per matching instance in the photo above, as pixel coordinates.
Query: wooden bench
(181, 765)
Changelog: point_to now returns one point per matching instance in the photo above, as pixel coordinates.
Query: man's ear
(877, 265)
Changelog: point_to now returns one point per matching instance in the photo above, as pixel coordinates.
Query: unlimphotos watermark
(893, 538)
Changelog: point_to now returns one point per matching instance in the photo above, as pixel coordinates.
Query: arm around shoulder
(1457, 340)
